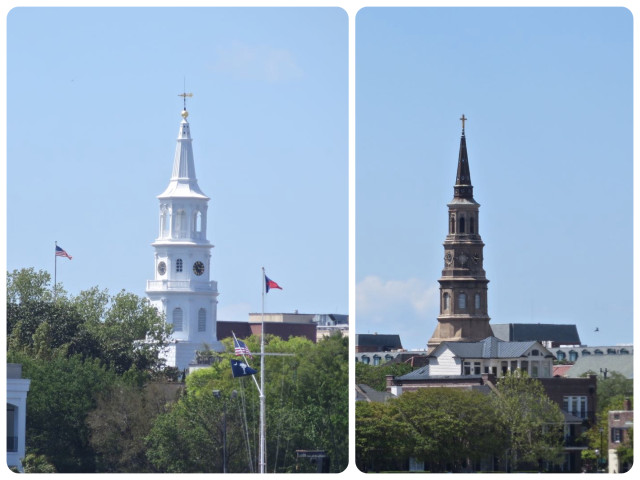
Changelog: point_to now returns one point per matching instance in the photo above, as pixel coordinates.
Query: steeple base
(182, 354)
(460, 330)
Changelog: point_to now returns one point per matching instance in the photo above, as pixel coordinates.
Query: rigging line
(275, 463)
(246, 424)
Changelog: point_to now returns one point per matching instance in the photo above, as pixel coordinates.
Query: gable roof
(540, 332)
(366, 393)
(490, 347)
(622, 364)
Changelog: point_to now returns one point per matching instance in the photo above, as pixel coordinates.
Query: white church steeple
(182, 288)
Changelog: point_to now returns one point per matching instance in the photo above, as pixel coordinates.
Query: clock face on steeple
(198, 268)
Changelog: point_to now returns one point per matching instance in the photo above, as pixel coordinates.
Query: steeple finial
(184, 96)
(463, 119)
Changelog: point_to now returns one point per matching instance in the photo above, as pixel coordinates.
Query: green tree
(33, 463)
(450, 429)
(306, 404)
(375, 375)
(381, 438)
(62, 393)
(123, 417)
(532, 422)
(27, 285)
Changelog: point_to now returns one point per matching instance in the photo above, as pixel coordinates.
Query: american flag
(241, 348)
(61, 253)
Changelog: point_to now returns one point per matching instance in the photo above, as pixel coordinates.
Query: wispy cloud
(379, 301)
(258, 62)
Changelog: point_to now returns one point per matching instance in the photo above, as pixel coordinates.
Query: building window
(365, 360)
(445, 302)
(573, 356)
(597, 351)
(472, 225)
(535, 353)
(524, 366)
(560, 355)
(514, 365)
(624, 351)
(616, 435)
(179, 265)
(585, 353)
(504, 367)
(202, 320)
(177, 319)
(477, 301)
(452, 222)
(476, 368)
(466, 368)
(575, 405)
(462, 300)
(534, 369)
(376, 360)
(461, 224)
(611, 351)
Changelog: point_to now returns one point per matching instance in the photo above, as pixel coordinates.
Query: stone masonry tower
(463, 286)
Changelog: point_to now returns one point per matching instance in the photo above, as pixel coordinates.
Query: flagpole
(262, 396)
(55, 271)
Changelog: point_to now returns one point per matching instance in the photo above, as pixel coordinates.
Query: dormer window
(179, 265)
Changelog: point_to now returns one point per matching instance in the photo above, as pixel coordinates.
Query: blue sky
(93, 114)
(548, 95)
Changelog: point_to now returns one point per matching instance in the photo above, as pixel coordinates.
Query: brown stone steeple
(463, 286)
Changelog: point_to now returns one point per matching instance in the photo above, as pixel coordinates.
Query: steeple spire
(463, 187)
(183, 181)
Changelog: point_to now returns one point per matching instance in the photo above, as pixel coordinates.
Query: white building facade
(17, 389)
(182, 288)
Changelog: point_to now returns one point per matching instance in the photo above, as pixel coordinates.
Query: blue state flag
(240, 369)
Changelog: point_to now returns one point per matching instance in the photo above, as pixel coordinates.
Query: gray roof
(366, 393)
(390, 342)
(540, 332)
(490, 347)
(622, 364)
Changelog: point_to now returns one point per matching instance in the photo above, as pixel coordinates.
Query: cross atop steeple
(464, 119)
(184, 96)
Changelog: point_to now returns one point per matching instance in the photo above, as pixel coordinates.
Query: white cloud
(380, 300)
(408, 308)
(258, 62)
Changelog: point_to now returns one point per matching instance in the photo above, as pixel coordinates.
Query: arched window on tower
(461, 225)
(472, 225)
(197, 222)
(462, 300)
(164, 224)
(180, 224)
(452, 224)
(177, 319)
(477, 301)
(445, 302)
(202, 320)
